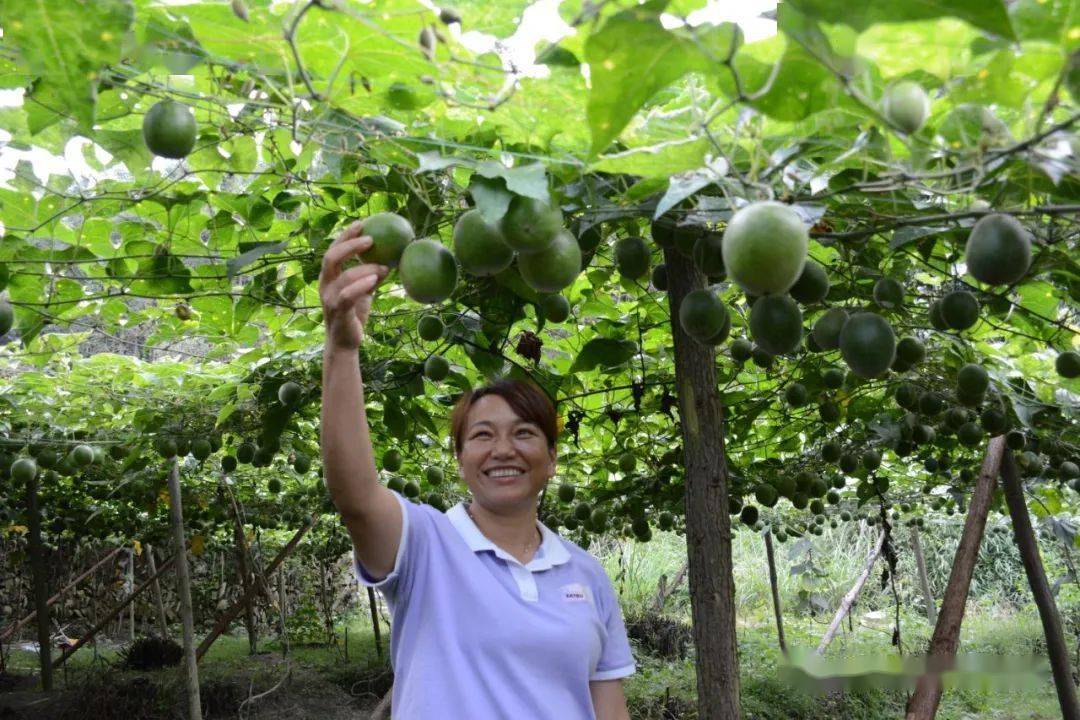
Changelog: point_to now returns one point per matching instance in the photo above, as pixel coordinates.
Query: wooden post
(240, 548)
(1040, 589)
(375, 621)
(708, 523)
(39, 573)
(281, 613)
(129, 586)
(770, 558)
(109, 616)
(163, 624)
(10, 630)
(183, 578)
(942, 651)
(924, 578)
(849, 597)
(229, 615)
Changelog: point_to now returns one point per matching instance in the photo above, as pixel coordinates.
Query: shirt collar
(551, 552)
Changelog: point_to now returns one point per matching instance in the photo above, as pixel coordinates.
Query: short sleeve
(616, 660)
(412, 541)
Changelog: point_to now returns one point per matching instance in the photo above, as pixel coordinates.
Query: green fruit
(998, 250)
(82, 455)
(554, 268)
(301, 464)
(582, 511)
(200, 449)
(390, 235)
(665, 521)
(436, 368)
(245, 453)
(993, 421)
(632, 257)
(796, 395)
(1068, 470)
(290, 394)
(849, 463)
(703, 316)
(1067, 364)
(748, 515)
(428, 271)
(434, 475)
(391, 460)
(829, 412)
(766, 495)
(48, 459)
(937, 319)
(709, 254)
(397, 484)
(1015, 440)
(556, 308)
(627, 462)
(812, 285)
(412, 490)
(228, 463)
(969, 434)
(906, 396)
(741, 350)
(166, 447)
(659, 277)
(906, 105)
(530, 225)
(480, 246)
(23, 470)
(402, 97)
(590, 238)
(868, 344)
(641, 530)
(888, 293)
(430, 328)
(827, 329)
(910, 350)
(567, 493)
(183, 446)
(972, 379)
(831, 452)
(833, 378)
(956, 417)
(273, 486)
(7, 317)
(923, 434)
(761, 358)
(931, 403)
(776, 324)
(959, 309)
(764, 247)
(871, 459)
(169, 129)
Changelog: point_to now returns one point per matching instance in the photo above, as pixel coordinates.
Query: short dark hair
(525, 398)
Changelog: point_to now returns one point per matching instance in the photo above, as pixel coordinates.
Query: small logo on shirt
(575, 592)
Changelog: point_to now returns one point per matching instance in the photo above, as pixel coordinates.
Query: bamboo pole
(183, 582)
(163, 624)
(849, 597)
(770, 558)
(924, 578)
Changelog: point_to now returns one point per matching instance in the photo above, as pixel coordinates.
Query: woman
(495, 616)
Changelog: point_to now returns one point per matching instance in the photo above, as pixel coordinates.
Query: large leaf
(66, 45)
(989, 15)
(603, 352)
(630, 59)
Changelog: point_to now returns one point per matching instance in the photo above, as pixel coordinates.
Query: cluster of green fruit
(22, 470)
(392, 462)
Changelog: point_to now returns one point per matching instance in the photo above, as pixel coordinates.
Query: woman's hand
(346, 295)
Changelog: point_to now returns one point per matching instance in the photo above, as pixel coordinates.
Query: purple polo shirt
(478, 636)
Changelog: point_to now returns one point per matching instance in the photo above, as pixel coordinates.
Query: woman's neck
(517, 533)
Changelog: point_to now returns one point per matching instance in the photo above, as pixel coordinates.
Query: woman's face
(504, 460)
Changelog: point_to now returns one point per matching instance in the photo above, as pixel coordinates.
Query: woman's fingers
(346, 244)
(331, 293)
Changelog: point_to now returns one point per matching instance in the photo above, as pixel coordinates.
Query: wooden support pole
(183, 583)
(924, 578)
(241, 549)
(1040, 589)
(39, 573)
(10, 630)
(130, 586)
(771, 559)
(849, 597)
(163, 623)
(235, 609)
(942, 651)
(372, 603)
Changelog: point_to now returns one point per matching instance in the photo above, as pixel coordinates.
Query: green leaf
(989, 15)
(234, 266)
(630, 59)
(491, 197)
(603, 352)
(66, 44)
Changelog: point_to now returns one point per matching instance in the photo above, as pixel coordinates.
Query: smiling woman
(494, 614)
